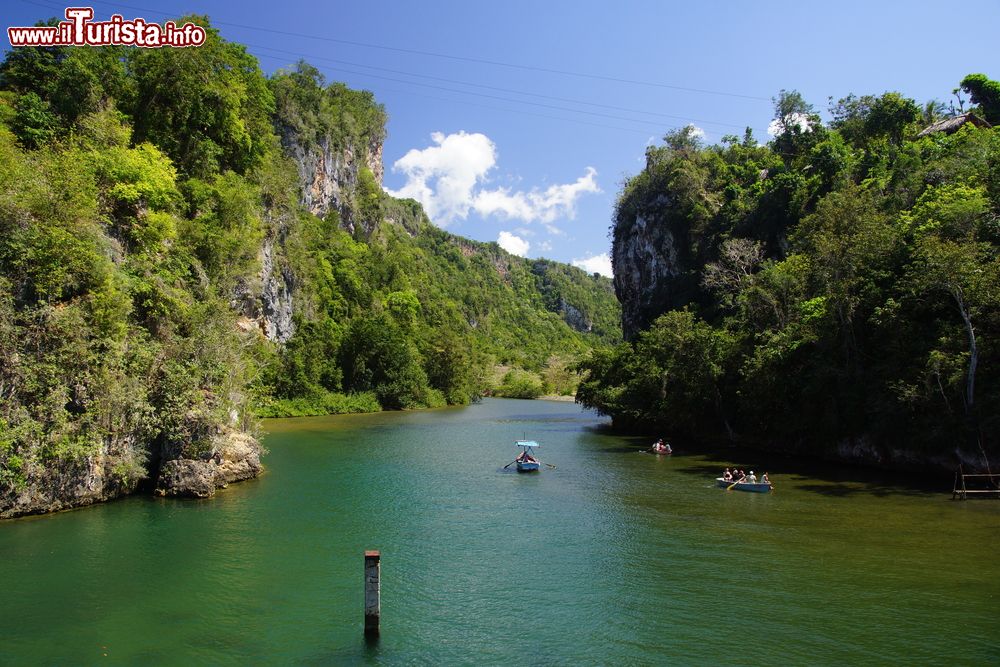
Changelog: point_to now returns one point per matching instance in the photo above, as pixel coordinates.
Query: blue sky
(534, 153)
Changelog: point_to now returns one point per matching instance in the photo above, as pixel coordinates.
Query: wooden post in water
(373, 591)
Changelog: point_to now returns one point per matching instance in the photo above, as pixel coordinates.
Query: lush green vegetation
(138, 189)
(841, 282)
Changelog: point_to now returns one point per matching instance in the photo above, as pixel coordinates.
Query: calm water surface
(614, 557)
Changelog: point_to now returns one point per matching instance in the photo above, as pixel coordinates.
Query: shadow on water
(623, 444)
(829, 479)
(807, 474)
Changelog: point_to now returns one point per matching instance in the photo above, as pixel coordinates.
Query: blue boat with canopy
(526, 460)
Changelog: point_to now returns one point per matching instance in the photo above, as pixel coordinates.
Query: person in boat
(742, 476)
(764, 479)
(752, 478)
(666, 448)
(727, 476)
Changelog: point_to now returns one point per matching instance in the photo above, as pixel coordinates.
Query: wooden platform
(985, 485)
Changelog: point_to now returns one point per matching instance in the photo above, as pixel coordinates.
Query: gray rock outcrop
(67, 484)
(235, 456)
(649, 270)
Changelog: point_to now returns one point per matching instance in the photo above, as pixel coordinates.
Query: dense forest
(835, 291)
(187, 244)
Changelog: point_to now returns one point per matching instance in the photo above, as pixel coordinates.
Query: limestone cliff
(266, 302)
(74, 482)
(329, 169)
(233, 457)
(650, 276)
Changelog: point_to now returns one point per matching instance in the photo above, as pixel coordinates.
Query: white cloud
(697, 132)
(545, 246)
(596, 264)
(515, 245)
(447, 179)
(442, 177)
(800, 120)
(554, 202)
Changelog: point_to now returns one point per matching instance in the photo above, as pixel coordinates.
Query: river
(612, 557)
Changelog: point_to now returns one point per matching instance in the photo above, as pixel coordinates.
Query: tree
(73, 82)
(376, 356)
(796, 126)
(33, 123)
(209, 108)
(791, 112)
(965, 272)
(733, 272)
(986, 93)
(686, 138)
(862, 119)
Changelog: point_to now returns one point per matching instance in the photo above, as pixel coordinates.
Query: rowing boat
(759, 487)
(526, 461)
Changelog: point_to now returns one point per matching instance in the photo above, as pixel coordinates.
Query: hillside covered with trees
(187, 244)
(835, 291)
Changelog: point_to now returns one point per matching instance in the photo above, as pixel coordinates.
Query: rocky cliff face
(574, 317)
(328, 173)
(650, 266)
(328, 178)
(123, 464)
(234, 457)
(72, 483)
(267, 304)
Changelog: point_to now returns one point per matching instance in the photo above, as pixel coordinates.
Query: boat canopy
(527, 443)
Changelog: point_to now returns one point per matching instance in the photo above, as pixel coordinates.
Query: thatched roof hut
(949, 125)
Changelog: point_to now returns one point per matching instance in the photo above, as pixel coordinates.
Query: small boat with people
(740, 481)
(526, 460)
(661, 448)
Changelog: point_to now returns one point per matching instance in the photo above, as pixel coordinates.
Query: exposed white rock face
(328, 174)
(266, 303)
(276, 297)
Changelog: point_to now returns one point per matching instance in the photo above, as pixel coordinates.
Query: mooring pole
(373, 606)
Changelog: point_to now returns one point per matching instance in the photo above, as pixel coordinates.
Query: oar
(509, 464)
(733, 484)
(550, 465)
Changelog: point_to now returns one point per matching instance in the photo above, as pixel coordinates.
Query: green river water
(612, 558)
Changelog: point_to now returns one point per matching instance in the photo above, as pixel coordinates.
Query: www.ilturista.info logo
(79, 30)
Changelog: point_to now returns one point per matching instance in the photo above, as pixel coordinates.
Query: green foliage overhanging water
(835, 289)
